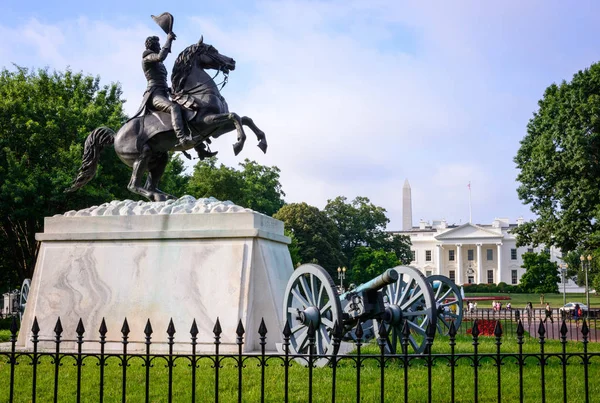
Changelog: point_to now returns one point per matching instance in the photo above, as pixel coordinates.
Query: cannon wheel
(23, 295)
(448, 303)
(410, 299)
(311, 296)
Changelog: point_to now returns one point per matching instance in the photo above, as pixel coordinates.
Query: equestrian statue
(179, 118)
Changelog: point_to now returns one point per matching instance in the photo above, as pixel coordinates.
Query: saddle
(154, 122)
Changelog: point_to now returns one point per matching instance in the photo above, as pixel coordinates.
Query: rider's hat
(165, 21)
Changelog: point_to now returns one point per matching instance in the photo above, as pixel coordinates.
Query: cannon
(399, 295)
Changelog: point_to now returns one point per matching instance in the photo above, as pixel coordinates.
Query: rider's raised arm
(162, 55)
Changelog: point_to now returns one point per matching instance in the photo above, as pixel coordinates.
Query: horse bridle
(219, 70)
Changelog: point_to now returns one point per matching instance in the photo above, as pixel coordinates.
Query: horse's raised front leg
(237, 122)
(260, 135)
(140, 166)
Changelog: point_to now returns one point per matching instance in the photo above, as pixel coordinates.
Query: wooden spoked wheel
(311, 297)
(410, 299)
(448, 303)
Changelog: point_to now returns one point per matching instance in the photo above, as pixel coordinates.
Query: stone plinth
(183, 260)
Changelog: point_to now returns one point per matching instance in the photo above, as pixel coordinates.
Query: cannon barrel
(388, 277)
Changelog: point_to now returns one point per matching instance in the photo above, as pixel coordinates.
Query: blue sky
(354, 96)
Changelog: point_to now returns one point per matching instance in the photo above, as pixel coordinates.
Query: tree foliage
(174, 180)
(361, 223)
(317, 236)
(254, 186)
(559, 163)
(367, 263)
(44, 119)
(541, 275)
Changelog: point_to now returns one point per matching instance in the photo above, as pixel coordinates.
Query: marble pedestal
(179, 262)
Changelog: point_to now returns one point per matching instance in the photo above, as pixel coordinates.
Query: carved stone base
(225, 262)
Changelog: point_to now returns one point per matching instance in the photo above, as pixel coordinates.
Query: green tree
(294, 248)
(559, 164)
(317, 236)
(361, 223)
(254, 186)
(367, 263)
(175, 180)
(541, 274)
(44, 120)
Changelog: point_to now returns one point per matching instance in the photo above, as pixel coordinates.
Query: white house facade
(470, 253)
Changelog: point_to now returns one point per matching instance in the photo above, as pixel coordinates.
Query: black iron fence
(527, 372)
(531, 319)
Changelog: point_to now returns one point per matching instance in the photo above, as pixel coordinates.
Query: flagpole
(470, 211)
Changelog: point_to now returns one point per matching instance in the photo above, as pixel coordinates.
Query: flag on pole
(469, 185)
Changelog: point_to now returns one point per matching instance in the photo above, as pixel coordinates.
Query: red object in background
(486, 327)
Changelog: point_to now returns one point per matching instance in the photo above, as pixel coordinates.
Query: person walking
(529, 311)
(548, 312)
(577, 312)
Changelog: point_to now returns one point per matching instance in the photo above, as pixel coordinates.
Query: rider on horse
(157, 92)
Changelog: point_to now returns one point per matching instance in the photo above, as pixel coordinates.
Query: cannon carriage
(399, 295)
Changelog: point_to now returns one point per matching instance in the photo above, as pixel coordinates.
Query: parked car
(569, 307)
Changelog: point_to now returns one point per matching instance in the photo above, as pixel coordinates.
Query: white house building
(470, 253)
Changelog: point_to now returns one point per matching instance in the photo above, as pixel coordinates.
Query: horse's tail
(94, 144)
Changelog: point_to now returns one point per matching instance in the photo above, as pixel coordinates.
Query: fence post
(194, 333)
(148, 332)
(80, 331)
(542, 333)
(57, 331)
(520, 333)
(475, 334)
(563, 342)
(262, 331)
(124, 360)
(240, 342)
(337, 339)
(35, 330)
(586, 362)
(381, 342)
(405, 337)
(217, 332)
(102, 332)
(170, 340)
(498, 335)
(452, 334)
(13, 356)
(429, 335)
(287, 332)
(359, 334)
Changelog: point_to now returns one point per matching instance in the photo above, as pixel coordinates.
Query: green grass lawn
(520, 300)
(346, 383)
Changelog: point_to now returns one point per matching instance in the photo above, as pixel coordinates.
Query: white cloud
(353, 96)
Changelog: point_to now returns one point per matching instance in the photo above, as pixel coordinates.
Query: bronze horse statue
(143, 142)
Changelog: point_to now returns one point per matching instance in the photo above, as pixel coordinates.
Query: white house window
(490, 254)
(413, 255)
(470, 253)
(428, 256)
(513, 277)
(451, 255)
(513, 254)
(428, 273)
(529, 250)
(452, 276)
(490, 276)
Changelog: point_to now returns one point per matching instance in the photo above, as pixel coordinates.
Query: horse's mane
(182, 66)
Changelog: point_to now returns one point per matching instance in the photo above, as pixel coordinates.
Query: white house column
(438, 257)
(479, 265)
(499, 271)
(459, 275)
